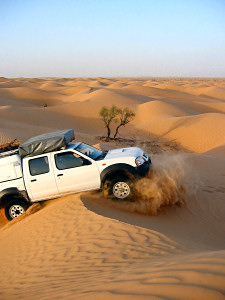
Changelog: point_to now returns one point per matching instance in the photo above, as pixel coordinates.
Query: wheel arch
(6, 194)
(117, 170)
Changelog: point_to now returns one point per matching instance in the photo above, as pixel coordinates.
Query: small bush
(121, 116)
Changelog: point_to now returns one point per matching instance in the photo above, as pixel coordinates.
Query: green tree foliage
(125, 116)
(108, 115)
(121, 116)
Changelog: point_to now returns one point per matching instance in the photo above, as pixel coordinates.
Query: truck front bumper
(142, 170)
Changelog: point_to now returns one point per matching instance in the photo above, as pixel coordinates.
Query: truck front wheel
(121, 188)
(14, 208)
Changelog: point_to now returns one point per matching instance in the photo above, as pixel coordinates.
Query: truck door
(75, 173)
(39, 177)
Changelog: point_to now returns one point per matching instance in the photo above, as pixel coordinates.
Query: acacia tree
(108, 115)
(125, 116)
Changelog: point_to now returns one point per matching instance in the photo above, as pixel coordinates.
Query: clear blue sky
(76, 38)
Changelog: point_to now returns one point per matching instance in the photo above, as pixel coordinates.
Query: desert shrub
(120, 116)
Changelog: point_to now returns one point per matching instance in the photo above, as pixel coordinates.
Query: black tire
(15, 207)
(119, 188)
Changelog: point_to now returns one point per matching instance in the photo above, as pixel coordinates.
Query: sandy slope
(86, 247)
(81, 246)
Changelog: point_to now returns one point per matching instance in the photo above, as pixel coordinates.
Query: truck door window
(68, 160)
(39, 166)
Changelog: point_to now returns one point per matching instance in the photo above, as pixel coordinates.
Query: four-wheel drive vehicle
(49, 166)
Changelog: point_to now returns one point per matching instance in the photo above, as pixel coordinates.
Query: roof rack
(9, 153)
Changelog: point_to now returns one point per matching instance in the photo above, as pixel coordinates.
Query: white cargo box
(10, 167)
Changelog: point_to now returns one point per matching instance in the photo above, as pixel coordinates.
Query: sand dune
(169, 243)
(218, 150)
(196, 133)
(107, 97)
(32, 95)
(159, 92)
(51, 85)
(218, 93)
(183, 105)
(157, 109)
(74, 90)
(117, 85)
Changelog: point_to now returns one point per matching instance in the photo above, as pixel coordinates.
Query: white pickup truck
(75, 167)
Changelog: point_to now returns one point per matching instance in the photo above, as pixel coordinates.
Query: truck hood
(124, 152)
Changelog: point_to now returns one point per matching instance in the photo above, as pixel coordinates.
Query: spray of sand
(165, 185)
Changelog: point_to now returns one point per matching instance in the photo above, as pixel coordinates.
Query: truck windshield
(89, 151)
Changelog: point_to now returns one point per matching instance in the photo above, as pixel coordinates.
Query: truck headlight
(145, 156)
(139, 160)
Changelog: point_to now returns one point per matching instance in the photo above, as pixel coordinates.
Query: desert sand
(170, 242)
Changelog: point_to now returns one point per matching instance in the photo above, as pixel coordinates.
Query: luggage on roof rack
(8, 153)
(46, 143)
(13, 145)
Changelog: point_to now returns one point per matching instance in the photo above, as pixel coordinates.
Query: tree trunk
(108, 132)
(117, 129)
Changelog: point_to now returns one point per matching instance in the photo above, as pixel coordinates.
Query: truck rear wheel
(14, 208)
